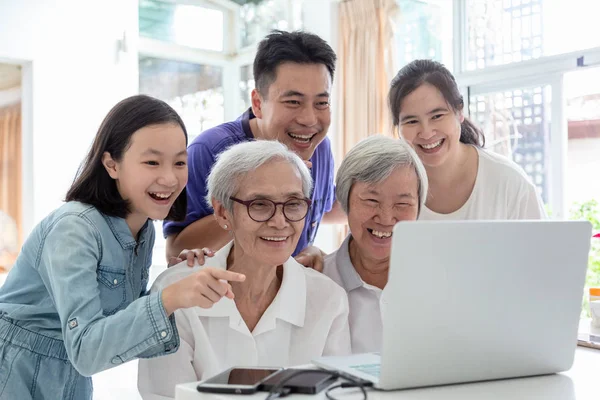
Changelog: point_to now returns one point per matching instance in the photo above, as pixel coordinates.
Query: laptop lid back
(479, 300)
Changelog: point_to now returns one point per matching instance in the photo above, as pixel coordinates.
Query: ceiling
(10, 76)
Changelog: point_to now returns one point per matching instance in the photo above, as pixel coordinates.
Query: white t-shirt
(366, 327)
(307, 319)
(502, 190)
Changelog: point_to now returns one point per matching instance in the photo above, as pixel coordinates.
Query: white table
(582, 382)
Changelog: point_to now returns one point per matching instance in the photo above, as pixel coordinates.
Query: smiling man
(293, 74)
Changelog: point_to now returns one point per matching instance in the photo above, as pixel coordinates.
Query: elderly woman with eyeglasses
(380, 182)
(282, 314)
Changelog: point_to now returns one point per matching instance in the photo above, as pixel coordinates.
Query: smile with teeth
(160, 196)
(432, 145)
(380, 234)
(301, 138)
(274, 238)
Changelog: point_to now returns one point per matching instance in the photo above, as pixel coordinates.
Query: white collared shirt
(307, 319)
(366, 327)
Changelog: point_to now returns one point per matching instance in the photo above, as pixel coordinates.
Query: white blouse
(307, 319)
(366, 326)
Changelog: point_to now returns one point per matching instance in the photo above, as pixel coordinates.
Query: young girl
(465, 181)
(75, 302)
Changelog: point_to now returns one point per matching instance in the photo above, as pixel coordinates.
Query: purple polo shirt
(202, 153)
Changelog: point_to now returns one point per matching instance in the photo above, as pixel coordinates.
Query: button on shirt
(364, 299)
(308, 318)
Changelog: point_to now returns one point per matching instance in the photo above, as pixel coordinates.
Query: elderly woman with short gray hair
(283, 314)
(380, 182)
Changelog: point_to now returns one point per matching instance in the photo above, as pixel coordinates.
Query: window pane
(505, 31)
(246, 86)
(582, 89)
(423, 30)
(185, 25)
(259, 19)
(517, 125)
(195, 92)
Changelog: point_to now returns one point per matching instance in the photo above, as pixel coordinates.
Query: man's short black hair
(295, 47)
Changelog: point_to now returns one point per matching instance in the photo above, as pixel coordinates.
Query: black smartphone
(305, 381)
(237, 380)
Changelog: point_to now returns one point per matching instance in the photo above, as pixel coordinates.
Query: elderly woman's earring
(225, 226)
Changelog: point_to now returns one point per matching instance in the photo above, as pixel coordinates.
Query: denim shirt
(81, 278)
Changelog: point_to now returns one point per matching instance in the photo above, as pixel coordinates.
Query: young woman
(465, 181)
(75, 302)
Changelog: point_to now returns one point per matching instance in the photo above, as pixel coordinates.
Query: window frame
(546, 70)
(231, 59)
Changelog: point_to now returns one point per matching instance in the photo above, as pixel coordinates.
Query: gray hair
(372, 160)
(240, 159)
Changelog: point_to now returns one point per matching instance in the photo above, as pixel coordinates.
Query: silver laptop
(477, 300)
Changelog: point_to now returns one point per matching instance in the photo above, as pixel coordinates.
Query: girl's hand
(190, 256)
(201, 289)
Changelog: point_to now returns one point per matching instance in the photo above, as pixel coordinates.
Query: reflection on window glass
(516, 124)
(501, 32)
(182, 24)
(507, 31)
(194, 90)
(259, 19)
(246, 86)
(582, 91)
(419, 32)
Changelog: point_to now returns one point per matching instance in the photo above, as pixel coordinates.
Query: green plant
(548, 210)
(590, 211)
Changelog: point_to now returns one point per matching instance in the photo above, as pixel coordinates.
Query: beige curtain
(10, 163)
(366, 67)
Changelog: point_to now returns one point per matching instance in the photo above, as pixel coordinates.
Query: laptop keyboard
(369, 369)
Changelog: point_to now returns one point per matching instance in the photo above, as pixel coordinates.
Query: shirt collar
(288, 305)
(121, 230)
(290, 301)
(350, 278)
(245, 118)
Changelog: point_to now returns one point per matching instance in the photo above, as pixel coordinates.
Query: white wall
(583, 183)
(72, 75)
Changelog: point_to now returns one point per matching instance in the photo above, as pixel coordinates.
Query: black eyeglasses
(261, 210)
